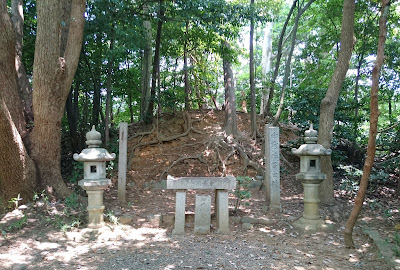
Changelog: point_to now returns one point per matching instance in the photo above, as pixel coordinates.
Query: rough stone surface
(272, 167)
(125, 219)
(122, 161)
(228, 182)
(180, 212)
(247, 226)
(202, 218)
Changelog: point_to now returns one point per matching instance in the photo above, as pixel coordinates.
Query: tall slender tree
(374, 114)
(328, 103)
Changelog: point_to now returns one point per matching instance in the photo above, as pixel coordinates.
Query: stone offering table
(203, 203)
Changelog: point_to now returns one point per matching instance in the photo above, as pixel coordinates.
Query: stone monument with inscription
(272, 181)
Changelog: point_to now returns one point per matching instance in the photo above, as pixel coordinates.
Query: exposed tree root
(160, 139)
(219, 154)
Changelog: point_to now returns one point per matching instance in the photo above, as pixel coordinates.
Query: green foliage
(15, 201)
(17, 225)
(111, 217)
(350, 178)
(242, 192)
(396, 248)
(77, 172)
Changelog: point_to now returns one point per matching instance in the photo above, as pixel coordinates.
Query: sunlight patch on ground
(8, 260)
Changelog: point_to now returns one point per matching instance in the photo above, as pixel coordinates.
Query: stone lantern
(95, 182)
(311, 177)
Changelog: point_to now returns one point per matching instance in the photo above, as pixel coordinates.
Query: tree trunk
(156, 63)
(53, 71)
(252, 81)
(230, 125)
(146, 67)
(24, 86)
(289, 61)
(267, 107)
(108, 113)
(17, 170)
(356, 110)
(185, 70)
(266, 64)
(72, 110)
(328, 103)
(373, 124)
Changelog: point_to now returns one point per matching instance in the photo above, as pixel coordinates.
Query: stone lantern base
(95, 190)
(312, 225)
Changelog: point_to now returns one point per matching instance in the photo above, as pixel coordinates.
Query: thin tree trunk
(253, 121)
(266, 64)
(328, 103)
(156, 63)
(146, 67)
(72, 117)
(360, 60)
(185, 69)
(267, 108)
(289, 61)
(108, 112)
(24, 86)
(373, 124)
(230, 125)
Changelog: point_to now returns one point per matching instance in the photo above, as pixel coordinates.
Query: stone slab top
(227, 182)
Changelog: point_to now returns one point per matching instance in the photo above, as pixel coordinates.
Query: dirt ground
(138, 234)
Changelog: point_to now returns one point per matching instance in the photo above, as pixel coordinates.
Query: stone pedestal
(95, 208)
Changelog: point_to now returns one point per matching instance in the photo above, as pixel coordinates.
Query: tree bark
(17, 170)
(185, 69)
(53, 71)
(266, 64)
(108, 112)
(253, 121)
(156, 64)
(373, 124)
(328, 103)
(96, 73)
(24, 86)
(72, 110)
(146, 67)
(289, 62)
(230, 124)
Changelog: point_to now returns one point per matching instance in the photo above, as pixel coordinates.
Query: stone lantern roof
(311, 148)
(94, 152)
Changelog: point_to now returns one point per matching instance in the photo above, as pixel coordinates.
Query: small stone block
(180, 212)
(202, 218)
(222, 210)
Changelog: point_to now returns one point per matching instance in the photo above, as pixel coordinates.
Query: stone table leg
(222, 210)
(180, 212)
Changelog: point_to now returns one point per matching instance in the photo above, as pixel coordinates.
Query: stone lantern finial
(311, 135)
(93, 138)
